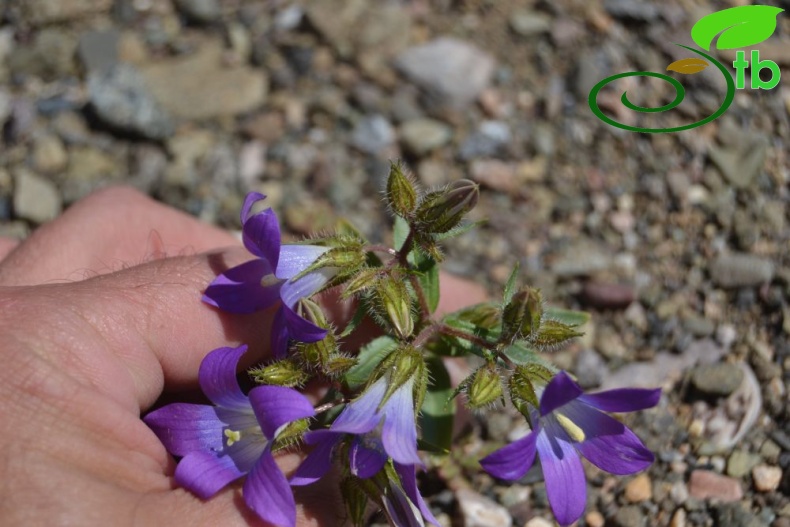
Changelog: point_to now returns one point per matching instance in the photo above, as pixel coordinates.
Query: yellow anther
(269, 280)
(233, 436)
(576, 433)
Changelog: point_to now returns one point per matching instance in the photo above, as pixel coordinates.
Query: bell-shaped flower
(268, 280)
(570, 423)
(378, 430)
(222, 443)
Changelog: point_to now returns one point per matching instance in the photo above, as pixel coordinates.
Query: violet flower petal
(279, 337)
(318, 462)
(266, 491)
(622, 400)
(296, 258)
(408, 478)
(204, 473)
(566, 486)
(217, 377)
(365, 462)
(560, 390)
(399, 433)
(299, 328)
(183, 428)
(511, 462)
(608, 444)
(275, 406)
(261, 231)
(361, 415)
(239, 289)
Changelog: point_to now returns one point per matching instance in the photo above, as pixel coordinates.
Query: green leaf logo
(740, 27)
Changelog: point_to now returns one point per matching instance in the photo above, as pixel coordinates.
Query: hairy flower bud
(291, 434)
(406, 364)
(522, 315)
(485, 388)
(442, 210)
(553, 334)
(356, 500)
(281, 373)
(365, 279)
(522, 385)
(394, 302)
(401, 194)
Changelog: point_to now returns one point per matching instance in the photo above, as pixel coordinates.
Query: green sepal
(281, 373)
(553, 334)
(510, 286)
(401, 193)
(485, 387)
(291, 434)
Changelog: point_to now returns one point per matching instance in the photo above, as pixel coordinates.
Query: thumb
(133, 332)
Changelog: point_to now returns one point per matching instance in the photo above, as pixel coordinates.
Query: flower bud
(291, 434)
(401, 194)
(553, 334)
(394, 302)
(281, 373)
(365, 279)
(442, 210)
(405, 364)
(522, 315)
(355, 499)
(485, 388)
(338, 365)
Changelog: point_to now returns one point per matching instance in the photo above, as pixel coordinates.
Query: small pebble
(639, 489)
(704, 485)
(766, 478)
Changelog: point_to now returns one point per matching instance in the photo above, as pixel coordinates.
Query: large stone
(479, 511)
(451, 69)
(49, 56)
(200, 87)
(40, 12)
(741, 270)
(35, 198)
(99, 49)
(707, 485)
(121, 100)
(420, 136)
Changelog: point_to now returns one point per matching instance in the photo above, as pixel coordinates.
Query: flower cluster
(366, 426)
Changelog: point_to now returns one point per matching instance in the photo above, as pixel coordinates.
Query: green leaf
(566, 316)
(428, 277)
(370, 356)
(740, 27)
(459, 230)
(356, 320)
(438, 411)
(522, 354)
(510, 287)
(400, 231)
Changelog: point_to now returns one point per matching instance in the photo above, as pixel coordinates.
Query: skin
(101, 317)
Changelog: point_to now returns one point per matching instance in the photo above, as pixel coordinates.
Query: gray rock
(718, 380)
(373, 134)
(741, 163)
(630, 516)
(35, 198)
(200, 11)
(199, 86)
(421, 136)
(590, 368)
(741, 462)
(582, 258)
(629, 9)
(529, 23)
(41, 12)
(487, 140)
(98, 49)
(479, 511)
(49, 154)
(121, 100)
(741, 270)
(452, 69)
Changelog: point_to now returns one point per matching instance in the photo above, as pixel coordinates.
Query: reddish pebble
(608, 296)
(707, 485)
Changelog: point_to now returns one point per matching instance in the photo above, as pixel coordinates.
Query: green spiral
(680, 93)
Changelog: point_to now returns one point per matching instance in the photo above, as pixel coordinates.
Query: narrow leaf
(688, 66)
(740, 26)
(438, 411)
(428, 277)
(510, 287)
(400, 231)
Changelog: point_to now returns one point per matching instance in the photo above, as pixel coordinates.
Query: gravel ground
(677, 243)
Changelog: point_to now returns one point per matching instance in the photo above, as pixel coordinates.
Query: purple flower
(221, 443)
(268, 280)
(570, 423)
(379, 430)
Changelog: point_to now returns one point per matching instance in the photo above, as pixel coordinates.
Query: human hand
(94, 329)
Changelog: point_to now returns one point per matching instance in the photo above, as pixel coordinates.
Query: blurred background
(677, 243)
